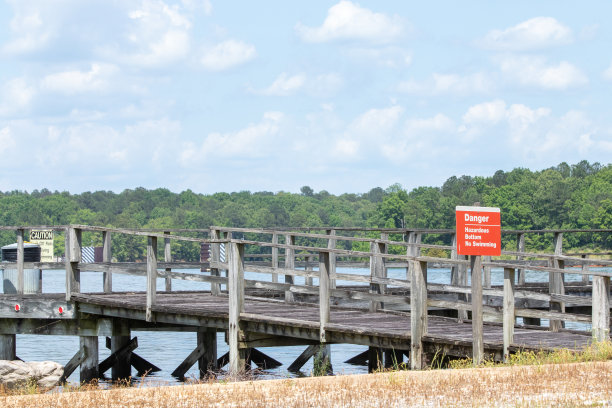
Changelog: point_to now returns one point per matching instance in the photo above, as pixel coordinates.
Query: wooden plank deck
(353, 326)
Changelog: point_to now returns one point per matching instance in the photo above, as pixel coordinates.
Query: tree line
(565, 196)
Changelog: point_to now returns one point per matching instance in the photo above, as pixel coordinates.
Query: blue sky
(342, 96)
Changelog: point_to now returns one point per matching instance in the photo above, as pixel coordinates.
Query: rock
(17, 373)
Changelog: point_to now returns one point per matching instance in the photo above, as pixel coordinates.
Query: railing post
(274, 256)
(20, 257)
(215, 258)
(487, 273)
(585, 270)
(324, 289)
(477, 341)
(377, 270)
(331, 244)
(454, 278)
(520, 247)
(508, 312)
(601, 308)
(73, 257)
(556, 285)
(107, 258)
(151, 276)
(418, 312)
(235, 287)
(289, 264)
(168, 258)
(308, 267)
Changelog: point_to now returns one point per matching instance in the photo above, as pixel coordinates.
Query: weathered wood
(142, 366)
(20, 256)
(121, 368)
(274, 257)
(585, 269)
(303, 358)
(555, 281)
(509, 318)
(107, 256)
(8, 344)
(89, 366)
(168, 258)
(486, 282)
(360, 359)
(331, 244)
(520, 247)
(477, 340)
(73, 257)
(375, 359)
(308, 267)
(151, 276)
(262, 360)
(74, 362)
(237, 356)
(215, 255)
(418, 314)
(207, 362)
(377, 270)
(601, 308)
(289, 264)
(191, 359)
(35, 308)
(454, 278)
(324, 290)
(120, 356)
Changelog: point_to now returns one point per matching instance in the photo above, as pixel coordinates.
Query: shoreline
(573, 384)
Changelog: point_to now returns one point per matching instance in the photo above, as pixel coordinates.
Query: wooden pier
(394, 318)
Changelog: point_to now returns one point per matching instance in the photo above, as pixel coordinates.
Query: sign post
(478, 233)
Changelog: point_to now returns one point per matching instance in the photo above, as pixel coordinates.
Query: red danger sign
(478, 231)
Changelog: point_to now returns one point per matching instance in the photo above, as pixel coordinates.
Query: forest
(565, 196)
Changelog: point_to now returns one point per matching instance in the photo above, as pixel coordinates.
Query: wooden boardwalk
(300, 309)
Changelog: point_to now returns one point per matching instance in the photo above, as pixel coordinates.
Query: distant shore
(576, 385)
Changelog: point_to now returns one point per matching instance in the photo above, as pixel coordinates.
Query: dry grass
(570, 385)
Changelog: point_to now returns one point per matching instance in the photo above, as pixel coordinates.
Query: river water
(168, 349)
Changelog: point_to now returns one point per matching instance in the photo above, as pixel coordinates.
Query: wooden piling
(477, 318)
(324, 287)
(237, 355)
(20, 257)
(151, 276)
(520, 247)
(508, 311)
(274, 257)
(601, 308)
(73, 257)
(418, 313)
(215, 255)
(107, 276)
(289, 264)
(556, 284)
(168, 258)
(89, 365)
(8, 344)
(208, 361)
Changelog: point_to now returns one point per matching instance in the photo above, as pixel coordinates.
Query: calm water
(168, 349)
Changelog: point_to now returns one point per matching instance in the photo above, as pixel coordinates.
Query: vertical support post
(487, 273)
(308, 266)
(151, 276)
(235, 287)
(585, 270)
(454, 278)
(8, 344)
(73, 257)
(520, 247)
(555, 283)
(324, 289)
(274, 256)
(601, 308)
(508, 312)
(377, 270)
(418, 313)
(168, 258)
(477, 341)
(20, 257)
(120, 337)
(375, 359)
(107, 258)
(289, 264)
(331, 244)
(89, 366)
(215, 258)
(208, 362)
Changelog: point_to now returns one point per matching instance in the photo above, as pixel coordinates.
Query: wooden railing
(323, 249)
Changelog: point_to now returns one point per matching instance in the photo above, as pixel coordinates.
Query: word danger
(476, 218)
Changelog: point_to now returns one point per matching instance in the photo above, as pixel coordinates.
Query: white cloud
(437, 123)
(97, 79)
(491, 112)
(607, 74)
(228, 54)
(536, 71)
(6, 140)
(386, 56)
(449, 84)
(30, 32)
(536, 33)
(285, 85)
(16, 96)
(254, 141)
(349, 21)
